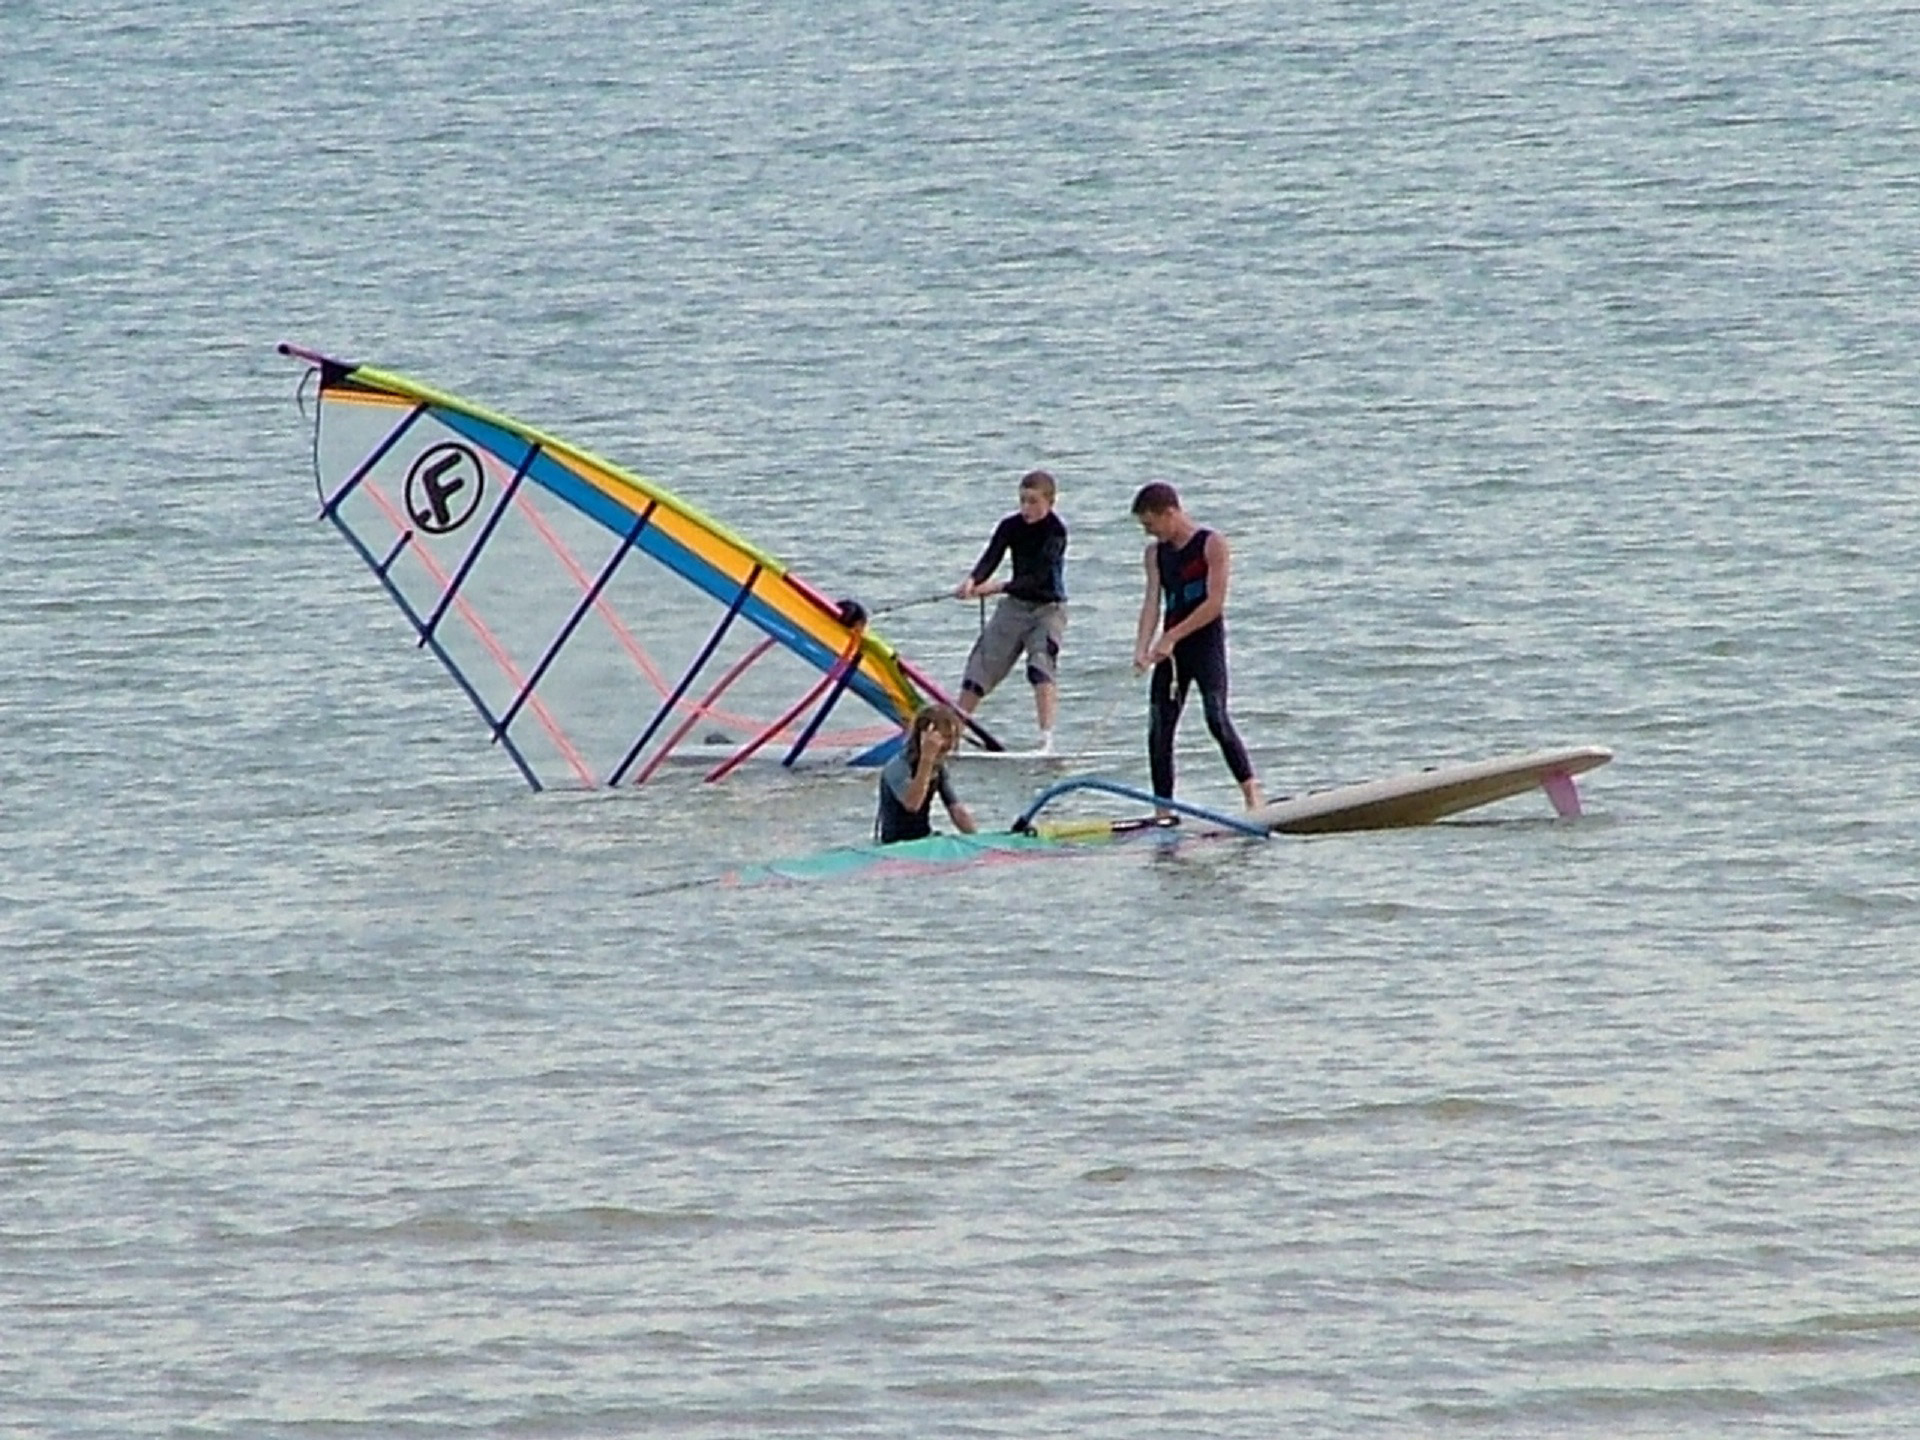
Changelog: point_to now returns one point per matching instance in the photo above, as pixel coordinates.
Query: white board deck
(1423, 796)
(970, 753)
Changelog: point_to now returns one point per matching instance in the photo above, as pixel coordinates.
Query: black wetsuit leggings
(1200, 659)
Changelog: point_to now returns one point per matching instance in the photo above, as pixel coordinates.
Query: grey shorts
(1016, 625)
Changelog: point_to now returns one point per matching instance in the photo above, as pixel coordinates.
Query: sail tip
(329, 367)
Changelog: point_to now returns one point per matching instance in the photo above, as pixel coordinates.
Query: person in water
(910, 780)
(1032, 613)
(1187, 570)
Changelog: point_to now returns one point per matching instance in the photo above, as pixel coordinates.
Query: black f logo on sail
(444, 488)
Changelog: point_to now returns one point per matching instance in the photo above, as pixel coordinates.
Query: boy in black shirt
(1032, 613)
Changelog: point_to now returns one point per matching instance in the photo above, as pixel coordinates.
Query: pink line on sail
(734, 672)
(849, 656)
(486, 637)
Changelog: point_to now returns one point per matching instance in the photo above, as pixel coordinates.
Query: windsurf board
(1420, 797)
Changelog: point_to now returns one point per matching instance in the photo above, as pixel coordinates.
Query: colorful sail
(940, 852)
(597, 623)
(931, 854)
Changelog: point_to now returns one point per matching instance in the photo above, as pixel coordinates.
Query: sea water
(1555, 374)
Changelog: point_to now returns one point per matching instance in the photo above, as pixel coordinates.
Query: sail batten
(587, 602)
(491, 642)
(685, 682)
(468, 560)
(332, 503)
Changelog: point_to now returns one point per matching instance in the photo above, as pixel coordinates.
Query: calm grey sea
(1555, 370)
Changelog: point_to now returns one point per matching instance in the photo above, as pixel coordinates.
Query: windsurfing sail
(937, 853)
(933, 853)
(594, 620)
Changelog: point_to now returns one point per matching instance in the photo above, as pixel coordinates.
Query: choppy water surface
(1555, 380)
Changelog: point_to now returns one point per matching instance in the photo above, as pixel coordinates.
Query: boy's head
(1036, 495)
(1155, 507)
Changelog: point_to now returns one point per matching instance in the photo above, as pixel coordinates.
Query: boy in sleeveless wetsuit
(1032, 613)
(1187, 569)
(910, 780)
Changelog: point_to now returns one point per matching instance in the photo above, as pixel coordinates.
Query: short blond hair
(1040, 482)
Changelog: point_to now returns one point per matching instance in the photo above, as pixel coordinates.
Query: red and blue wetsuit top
(1183, 580)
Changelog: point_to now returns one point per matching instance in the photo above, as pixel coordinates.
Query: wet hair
(930, 717)
(1040, 482)
(1156, 499)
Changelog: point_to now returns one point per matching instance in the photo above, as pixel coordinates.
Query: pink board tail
(1564, 794)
